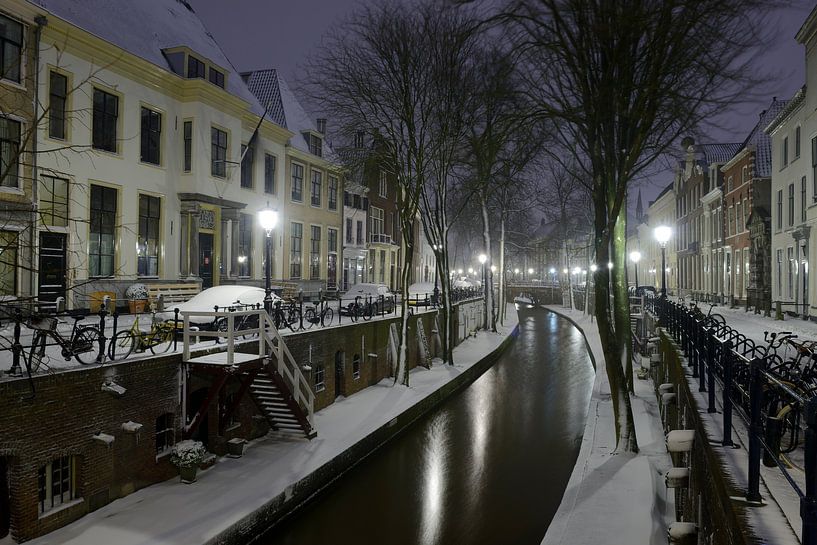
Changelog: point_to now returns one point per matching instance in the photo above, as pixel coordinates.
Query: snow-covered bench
(161, 294)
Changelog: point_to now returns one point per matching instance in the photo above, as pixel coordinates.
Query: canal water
(489, 466)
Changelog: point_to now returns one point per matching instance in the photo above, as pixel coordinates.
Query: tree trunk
(502, 296)
(487, 277)
(621, 299)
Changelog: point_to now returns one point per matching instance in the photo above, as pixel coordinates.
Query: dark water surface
(487, 467)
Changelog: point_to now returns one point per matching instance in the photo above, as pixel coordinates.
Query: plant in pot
(187, 455)
(137, 295)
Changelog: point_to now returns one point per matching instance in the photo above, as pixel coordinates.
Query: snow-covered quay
(226, 499)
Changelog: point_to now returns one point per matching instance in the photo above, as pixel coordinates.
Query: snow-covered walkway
(181, 514)
(614, 498)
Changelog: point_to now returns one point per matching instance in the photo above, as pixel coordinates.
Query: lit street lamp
(436, 294)
(635, 257)
(267, 218)
(662, 235)
(483, 259)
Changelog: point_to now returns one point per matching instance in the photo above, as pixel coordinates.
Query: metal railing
(718, 353)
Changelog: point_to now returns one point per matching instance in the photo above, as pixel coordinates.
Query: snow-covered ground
(181, 514)
(614, 498)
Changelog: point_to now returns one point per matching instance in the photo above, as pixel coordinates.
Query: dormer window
(315, 145)
(195, 68)
(216, 77)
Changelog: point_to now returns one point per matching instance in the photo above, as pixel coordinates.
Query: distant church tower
(639, 210)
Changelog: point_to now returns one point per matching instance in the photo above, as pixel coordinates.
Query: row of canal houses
(132, 150)
(742, 212)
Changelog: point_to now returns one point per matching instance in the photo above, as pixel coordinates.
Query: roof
(760, 140)
(271, 89)
(147, 27)
(717, 153)
(790, 108)
(663, 192)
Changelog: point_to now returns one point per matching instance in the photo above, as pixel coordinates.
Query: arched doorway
(339, 365)
(195, 401)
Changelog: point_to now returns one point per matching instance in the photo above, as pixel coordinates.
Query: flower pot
(137, 306)
(235, 448)
(188, 474)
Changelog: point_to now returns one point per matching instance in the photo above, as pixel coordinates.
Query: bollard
(101, 356)
(755, 429)
(808, 503)
(175, 329)
(772, 439)
(340, 308)
(60, 304)
(726, 363)
(778, 311)
(17, 347)
(682, 533)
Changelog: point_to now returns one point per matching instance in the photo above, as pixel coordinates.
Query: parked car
(221, 296)
(366, 291)
(646, 291)
(421, 293)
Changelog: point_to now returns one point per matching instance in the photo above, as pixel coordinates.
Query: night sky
(275, 34)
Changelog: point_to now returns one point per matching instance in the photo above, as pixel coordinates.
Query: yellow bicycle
(158, 340)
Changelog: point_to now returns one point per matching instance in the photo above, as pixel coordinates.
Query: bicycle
(359, 310)
(286, 316)
(157, 340)
(320, 313)
(245, 321)
(82, 344)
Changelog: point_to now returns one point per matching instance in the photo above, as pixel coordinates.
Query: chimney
(322, 125)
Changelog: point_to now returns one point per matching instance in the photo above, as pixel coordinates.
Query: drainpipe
(41, 21)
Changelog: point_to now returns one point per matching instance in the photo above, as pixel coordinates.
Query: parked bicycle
(360, 309)
(320, 313)
(242, 322)
(82, 343)
(158, 339)
(286, 315)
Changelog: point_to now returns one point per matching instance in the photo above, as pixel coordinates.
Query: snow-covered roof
(717, 153)
(147, 27)
(271, 89)
(760, 140)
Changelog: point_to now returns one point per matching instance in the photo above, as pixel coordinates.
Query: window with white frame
(247, 161)
(803, 199)
(296, 231)
(779, 272)
(779, 208)
(244, 245)
(348, 230)
(53, 195)
(332, 193)
(317, 187)
(784, 153)
(11, 48)
(10, 131)
(356, 366)
(315, 253)
(8, 262)
(297, 182)
(320, 378)
(102, 231)
(791, 204)
(57, 98)
(56, 482)
(797, 142)
(151, 136)
(218, 153)
(188, 146)
(269, 173)
(147, 246)
(384, 186)
(376, 223)
(165, 433)
(105, 119)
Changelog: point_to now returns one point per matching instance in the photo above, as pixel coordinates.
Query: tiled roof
(792, 105)
(717, 153)
(761, 141)
(264, 85)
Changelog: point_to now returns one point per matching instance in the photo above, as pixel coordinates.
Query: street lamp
(635, 257)
(267, 218)
(436, 294)
(483, 259)
(662, 235)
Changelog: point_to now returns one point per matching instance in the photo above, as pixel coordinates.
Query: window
(188, 146)
(11, 44)
(235, 417)
(360, 239)
(356, 366)
(296, 231)
(320, 377)
(165, 433)
(297, 182)
(246, 166)
(729, 184)
(376, 219)
(356, 201)
(106, 113)
(779, 208)
(269, 173)
(53, 206)
(332, 240)
(384, 188)
(244, 245)
(790, 259)
(738, 217)
(803, 199)
(797, 142)
(195, 68)
(315, 145)
(791, 204)
(9, 152)
(8, 262)
(147, 247)
(317, 183)
(216, 77)
(779, 272)
(218, 140)
(382, 266)
(57, 95)
(56, 483)
(348, 230)
(151, 136)
(315, 254)
(730, 226)
(332, 193)
(785, 152)
(102, 231)
(744, 175)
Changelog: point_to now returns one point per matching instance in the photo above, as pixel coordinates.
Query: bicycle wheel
(354, 312)
(121, 345)
(249, 322)
(367, 311)
(294, 319)
(160, 340)
(328, 316)
(36, 353)
(310, 318)
(85, 345)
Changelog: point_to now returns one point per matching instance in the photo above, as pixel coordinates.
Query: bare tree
(626, 80)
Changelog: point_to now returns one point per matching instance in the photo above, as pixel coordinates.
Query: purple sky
(274, 34)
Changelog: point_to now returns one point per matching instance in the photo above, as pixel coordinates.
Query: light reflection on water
(487, 467)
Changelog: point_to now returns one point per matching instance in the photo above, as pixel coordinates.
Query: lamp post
(635, 257)
(267, 218)
(662, 235)
(436, 289)
(483, 259)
